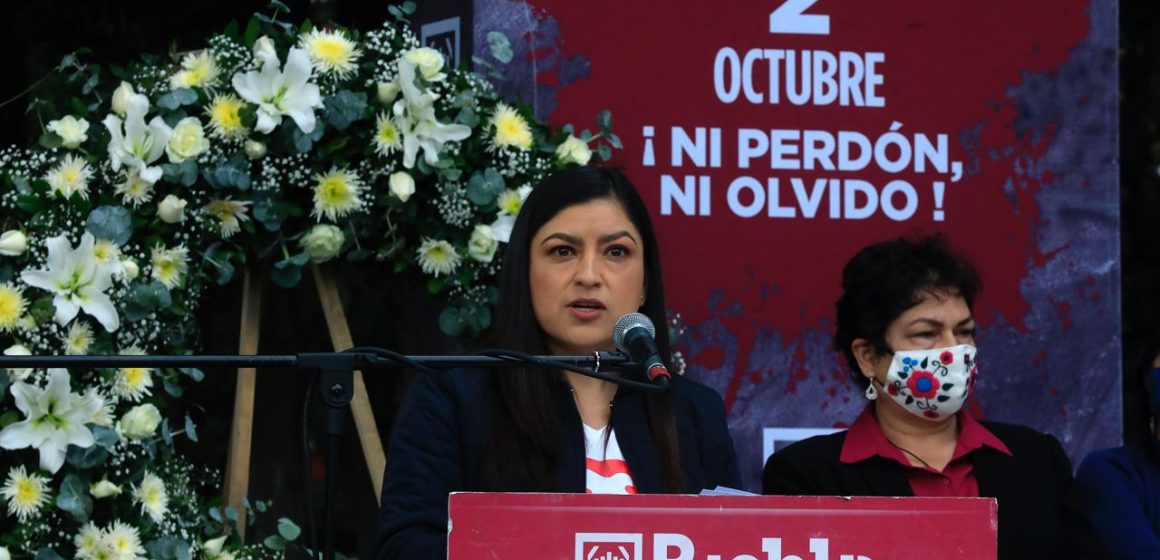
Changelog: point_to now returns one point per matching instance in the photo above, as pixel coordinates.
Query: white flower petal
(101, 308)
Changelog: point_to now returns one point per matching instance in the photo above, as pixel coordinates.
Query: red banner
(659, 527)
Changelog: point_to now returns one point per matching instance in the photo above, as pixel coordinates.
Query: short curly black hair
(883, 280)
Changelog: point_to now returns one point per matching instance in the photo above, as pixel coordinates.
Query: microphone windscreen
(628, 322)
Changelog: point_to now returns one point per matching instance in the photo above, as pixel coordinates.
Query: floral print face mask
(932, 384)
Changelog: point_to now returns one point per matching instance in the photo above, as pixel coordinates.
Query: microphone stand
(336, 383)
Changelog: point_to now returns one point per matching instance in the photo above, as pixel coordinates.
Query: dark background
(36, 34)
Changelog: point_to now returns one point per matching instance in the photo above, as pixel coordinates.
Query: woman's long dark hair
(524, 423)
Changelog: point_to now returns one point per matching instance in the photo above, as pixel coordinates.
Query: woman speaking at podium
(582, 253)
(905, 325)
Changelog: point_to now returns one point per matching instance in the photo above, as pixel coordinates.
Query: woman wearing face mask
(1120, 487)
(905, 326)
(582, 253)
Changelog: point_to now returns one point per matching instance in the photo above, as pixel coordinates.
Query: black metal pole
(335, 384)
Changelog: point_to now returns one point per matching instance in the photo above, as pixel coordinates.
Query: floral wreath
(274, 147)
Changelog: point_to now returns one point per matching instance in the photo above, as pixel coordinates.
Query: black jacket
(439, 445)
(1038, 517)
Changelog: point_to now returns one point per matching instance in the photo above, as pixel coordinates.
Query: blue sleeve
(424, 464)
(1114, 499)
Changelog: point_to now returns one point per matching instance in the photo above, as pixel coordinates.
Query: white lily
(281, 92)
(137, 145)
(54, 419)
(415, 115)
(79, 281)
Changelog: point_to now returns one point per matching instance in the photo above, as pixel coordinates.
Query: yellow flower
(135, 190)
(197, 70)
(387, 138)
(133, 384)
(438, 257)
(12, 305)
(225, 117)
(230, 215)
(78, 340)
(88, 540)
(337, 194)
(70, 177)
(330, 52)
(25, 493)
(125, 540)
(106, 252)
(152, 496)
(169, 265)
(510, 128)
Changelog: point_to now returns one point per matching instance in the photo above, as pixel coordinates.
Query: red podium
(665, 527)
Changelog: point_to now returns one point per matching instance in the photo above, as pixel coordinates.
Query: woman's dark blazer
(1038, 516)
(439, 445)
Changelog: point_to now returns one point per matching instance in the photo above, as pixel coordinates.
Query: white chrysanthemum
(331, 52)
(438, 257)
(78, 339)
(197, 70)
(387, 138)
(152, 496)
(125, 540)
(169, 265)
(225, 117)
(71, 177)
(230, 215)
(337, 194)
(107, 254)
(89, 541)
(512, 200)
(104, 414)
(133, 384)
(135, 191)
(511, 129)
(25, 493)
(12, 305)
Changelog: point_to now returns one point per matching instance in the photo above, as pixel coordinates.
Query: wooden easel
(237, 479)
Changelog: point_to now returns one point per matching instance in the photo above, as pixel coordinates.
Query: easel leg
(364, 417)
(241, 433)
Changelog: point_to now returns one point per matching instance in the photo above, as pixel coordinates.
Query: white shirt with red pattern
(607, 471)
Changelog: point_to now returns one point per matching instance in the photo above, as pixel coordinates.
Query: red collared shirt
(865, 439)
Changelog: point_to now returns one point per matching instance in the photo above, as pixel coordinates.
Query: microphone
(635, 335)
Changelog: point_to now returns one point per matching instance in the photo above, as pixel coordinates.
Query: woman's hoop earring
(871, 392)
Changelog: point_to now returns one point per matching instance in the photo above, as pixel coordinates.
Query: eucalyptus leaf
(114, 223)
(74, 499)
(173, 388)
(451, 322)
(190, 429)
(86, 457)
(144, 299)
(47, 554)
(286, 276)
(604, 120)
(274, 542)
(344, 107)
(499, 46)
(225, 273)
(288, 530)
(50, 140)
